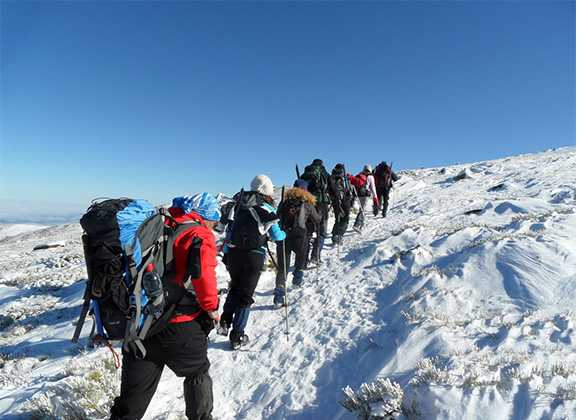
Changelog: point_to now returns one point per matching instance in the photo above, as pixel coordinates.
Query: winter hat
(367, 168)
(262, 184)
(317, 162)
(204, 204)
(301, 183)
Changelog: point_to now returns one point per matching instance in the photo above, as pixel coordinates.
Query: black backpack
(250, 222)
(289, 212)
(348, 193)
(342, 186)
(317, 182)
(105, 263)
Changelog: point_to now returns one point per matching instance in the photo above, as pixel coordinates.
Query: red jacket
(358, 181)
(206, 285)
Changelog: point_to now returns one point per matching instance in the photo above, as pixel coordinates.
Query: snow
(11, 230)
(464, 297)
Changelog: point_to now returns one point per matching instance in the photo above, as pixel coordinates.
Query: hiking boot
(298, 278)
(278, 297)
(223, 328)
(238, 340)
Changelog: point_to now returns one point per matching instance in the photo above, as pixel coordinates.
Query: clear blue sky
(154, 99)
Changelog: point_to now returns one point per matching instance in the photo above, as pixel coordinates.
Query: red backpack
(359, 181)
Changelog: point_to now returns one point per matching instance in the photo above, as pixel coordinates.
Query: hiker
(298, 217)
(342, 196)
(384, 179)
(182, 344)
(317, 182)
(364, 184)
(251, 221)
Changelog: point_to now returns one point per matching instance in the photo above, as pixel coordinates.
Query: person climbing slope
(342, 196)
(251, 222)
(364, 184)
(182, 344)
(317, 183)
(298, 216)
(384, 179)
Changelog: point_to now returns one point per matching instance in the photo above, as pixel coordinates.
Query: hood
(300, 194)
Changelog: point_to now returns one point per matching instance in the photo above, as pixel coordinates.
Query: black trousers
(245, 270)
(341, 220)
(293, 243)
(383, 199)
(183, 348)
(323, 210)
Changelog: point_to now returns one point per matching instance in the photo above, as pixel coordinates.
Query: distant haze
(27, 211)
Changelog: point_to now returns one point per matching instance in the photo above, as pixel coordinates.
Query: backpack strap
(193, 271)
(132, 334)
(301, 219)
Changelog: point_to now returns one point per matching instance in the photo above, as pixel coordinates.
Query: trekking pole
(317, 269)
(286, 292)
(337, 220)
(285, 278)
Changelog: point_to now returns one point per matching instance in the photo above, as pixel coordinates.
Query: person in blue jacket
(251, 221)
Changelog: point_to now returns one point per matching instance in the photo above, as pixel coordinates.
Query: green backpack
(317, 182)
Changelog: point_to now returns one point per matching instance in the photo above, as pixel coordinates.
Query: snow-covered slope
(464, 296)
(9, 231)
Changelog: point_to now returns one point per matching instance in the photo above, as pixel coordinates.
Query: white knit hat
(263, 185)
(367, 168)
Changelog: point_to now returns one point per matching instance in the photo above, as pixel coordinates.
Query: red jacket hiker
(182, 344)
(363, 180)
(206, 285)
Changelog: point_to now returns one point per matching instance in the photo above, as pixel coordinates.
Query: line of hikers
(152, 280)
(302, 213)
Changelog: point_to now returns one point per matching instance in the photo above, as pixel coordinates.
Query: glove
(207, 322)
(214, 315)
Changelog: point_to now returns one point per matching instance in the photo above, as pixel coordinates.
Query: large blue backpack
(124, 240)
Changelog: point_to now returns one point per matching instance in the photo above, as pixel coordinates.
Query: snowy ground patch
(459, 305)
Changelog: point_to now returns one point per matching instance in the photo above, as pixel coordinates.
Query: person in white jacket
(364, 184)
